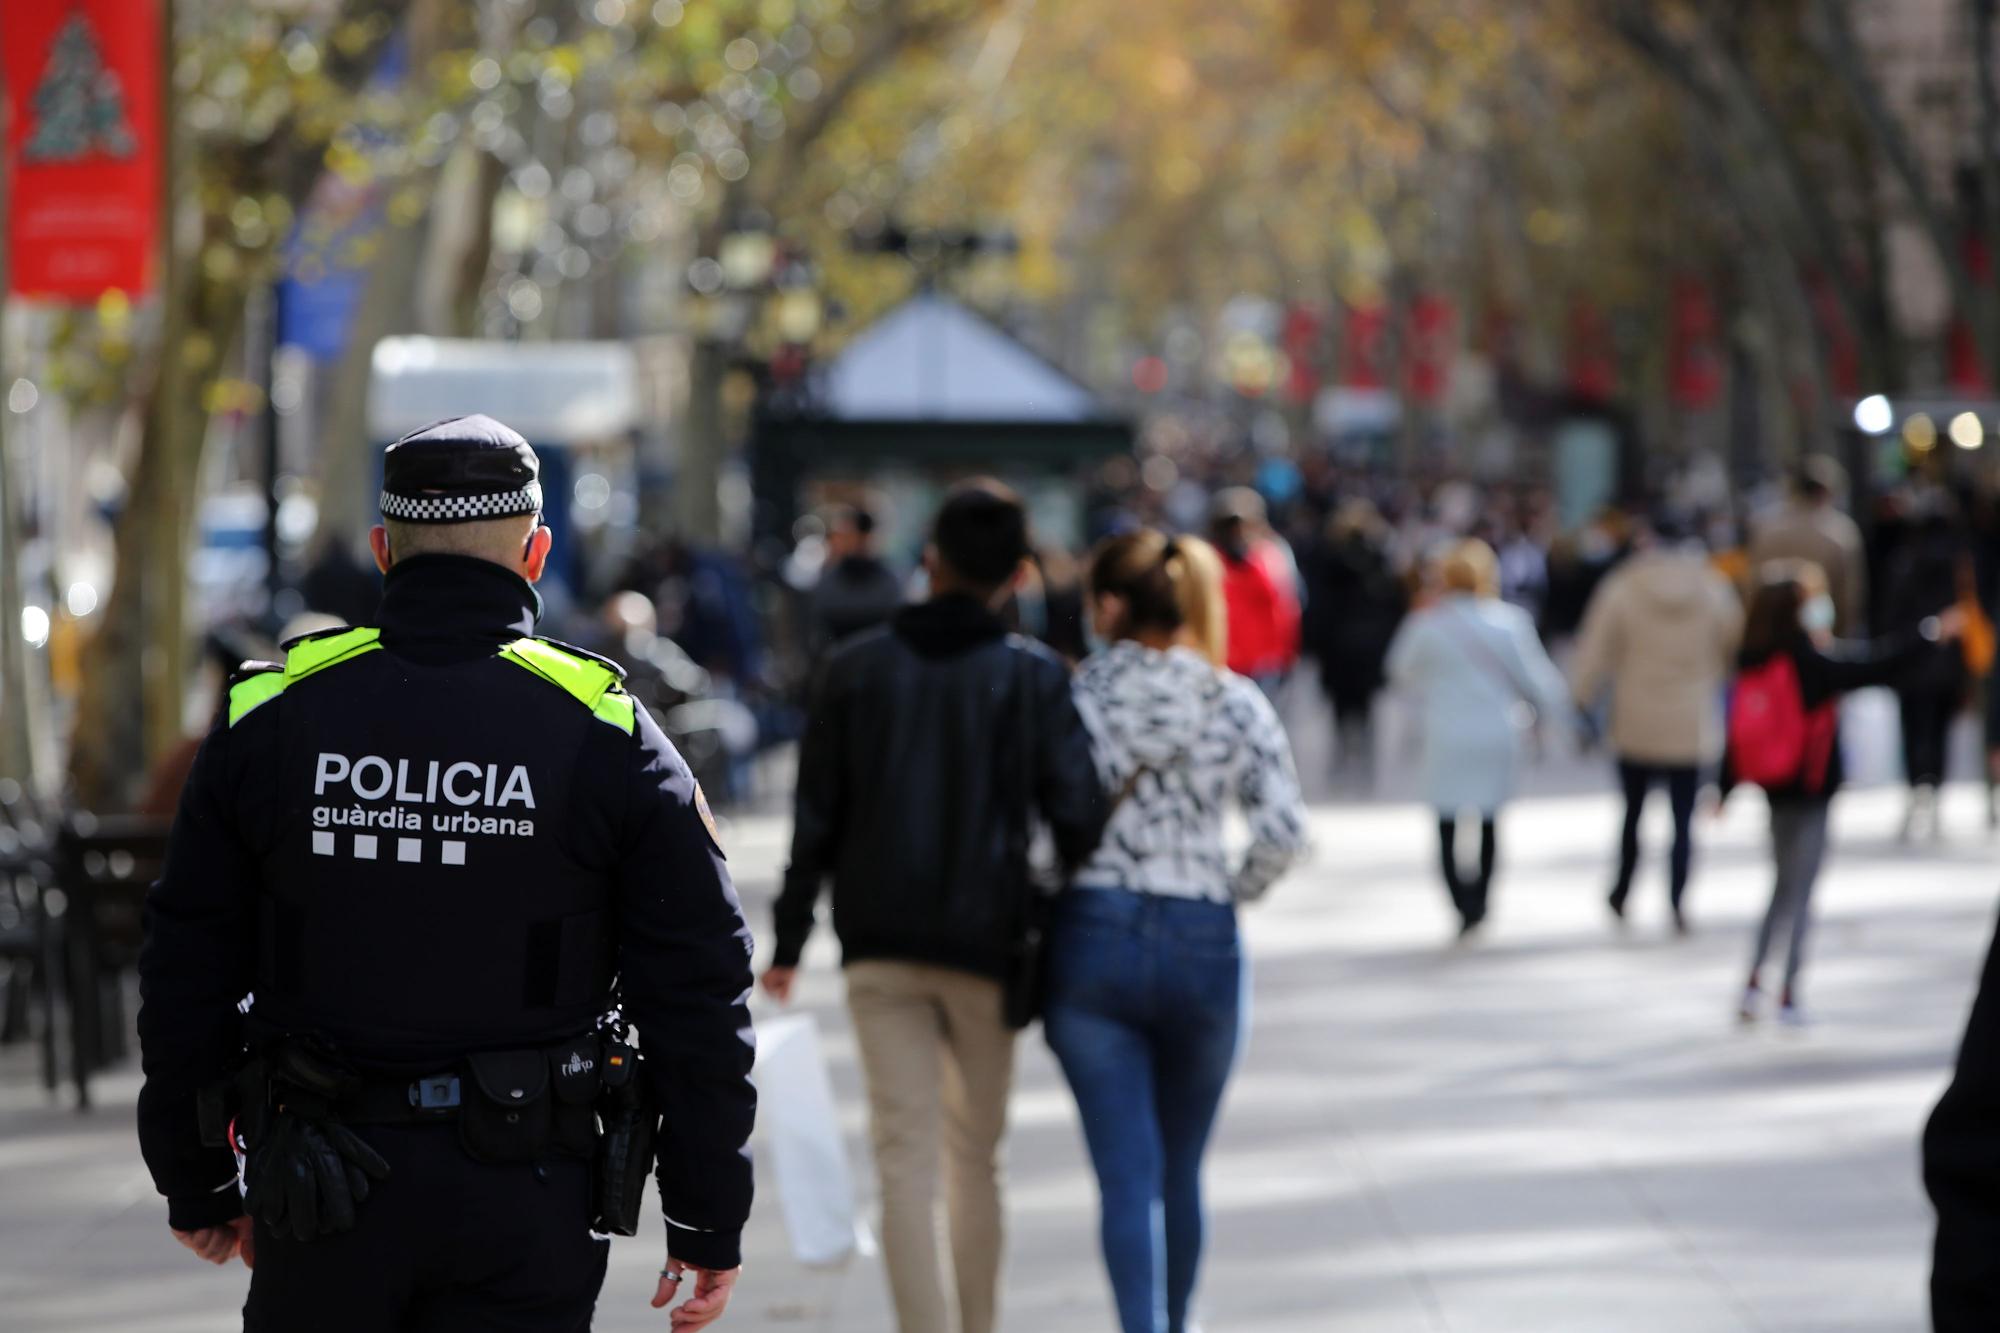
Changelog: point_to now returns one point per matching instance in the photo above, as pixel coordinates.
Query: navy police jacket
(440, 835)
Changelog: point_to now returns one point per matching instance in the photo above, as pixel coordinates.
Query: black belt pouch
(575, 1079)
(506, 1113)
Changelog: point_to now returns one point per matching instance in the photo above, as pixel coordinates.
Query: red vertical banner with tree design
(83, 145)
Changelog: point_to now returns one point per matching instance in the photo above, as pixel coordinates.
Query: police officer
(415, 866)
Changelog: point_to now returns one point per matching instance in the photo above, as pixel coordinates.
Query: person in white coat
(1481, 680)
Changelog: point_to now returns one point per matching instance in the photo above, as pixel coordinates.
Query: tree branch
(1844, 52)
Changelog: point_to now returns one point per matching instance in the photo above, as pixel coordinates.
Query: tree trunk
(17, 753)
(1974, 300)
(346, 449)
(136, 666)
(23, 706)
(131, 705)
(703, 446)
(1983, 54)
(388, 306)
(1738, 134)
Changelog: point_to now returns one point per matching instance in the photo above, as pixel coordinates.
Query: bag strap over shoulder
(1489, 661)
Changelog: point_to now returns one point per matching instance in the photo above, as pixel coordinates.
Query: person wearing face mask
(1784, 736)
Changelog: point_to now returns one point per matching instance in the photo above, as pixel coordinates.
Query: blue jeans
(1145, 1004)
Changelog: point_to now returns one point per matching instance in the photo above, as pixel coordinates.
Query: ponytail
(1170, 585)
(1196, 571)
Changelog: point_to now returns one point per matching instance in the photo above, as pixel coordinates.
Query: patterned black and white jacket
(1196, 737)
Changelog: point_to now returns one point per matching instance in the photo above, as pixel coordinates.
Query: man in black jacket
(429, 846)
(924, 742)
(856, 590)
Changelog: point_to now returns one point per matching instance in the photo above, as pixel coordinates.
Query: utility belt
(510, 1106)
(292, 1107)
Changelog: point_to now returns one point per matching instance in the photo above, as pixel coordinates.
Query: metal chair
(104, 865)
(30, 936)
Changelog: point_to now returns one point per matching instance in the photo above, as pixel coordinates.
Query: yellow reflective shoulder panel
(619, 710)
(304, 659)
(251, 691)
(317, 654)
(591, 684)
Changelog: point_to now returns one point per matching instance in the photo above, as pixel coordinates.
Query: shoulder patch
(708, 819)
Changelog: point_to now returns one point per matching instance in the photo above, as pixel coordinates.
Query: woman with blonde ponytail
(1145, 1000)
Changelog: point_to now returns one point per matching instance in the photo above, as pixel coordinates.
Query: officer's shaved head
(517, 542)
(497, 539)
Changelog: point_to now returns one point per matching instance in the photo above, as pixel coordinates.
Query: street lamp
(1874, 415)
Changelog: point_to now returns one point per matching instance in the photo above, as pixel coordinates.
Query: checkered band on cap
(462, 508)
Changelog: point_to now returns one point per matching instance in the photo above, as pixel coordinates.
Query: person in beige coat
(1660, 634)
(1809, 526)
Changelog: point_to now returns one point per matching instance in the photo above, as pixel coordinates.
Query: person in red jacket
(1260, 587)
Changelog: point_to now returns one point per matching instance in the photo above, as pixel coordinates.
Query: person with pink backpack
(1784, 736)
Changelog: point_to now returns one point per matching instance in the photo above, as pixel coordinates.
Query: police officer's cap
(460, 471)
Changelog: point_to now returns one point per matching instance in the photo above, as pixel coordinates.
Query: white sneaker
(1746, 1010)
(1791, 1016)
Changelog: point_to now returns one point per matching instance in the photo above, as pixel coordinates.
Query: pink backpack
(1774, 741)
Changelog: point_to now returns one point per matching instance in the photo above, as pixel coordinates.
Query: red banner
(1433, 342)
(1593, 363)
(1843, 351)
(1363, 347)
(1304, 329)
(1964, 370)
(83, 145)
(1695, 354)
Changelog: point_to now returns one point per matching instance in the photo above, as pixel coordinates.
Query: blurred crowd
(1324, 560)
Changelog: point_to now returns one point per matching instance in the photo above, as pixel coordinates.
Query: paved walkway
(1558, 1129)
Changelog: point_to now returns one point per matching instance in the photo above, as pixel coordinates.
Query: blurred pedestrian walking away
(1784, 736)
(1660, 635)
(1355, 603)
(1923, 580)
(1260, 585)
(1483, 682)
(856, 590)
(1146, 979)
(1810, 526)
(913, 739)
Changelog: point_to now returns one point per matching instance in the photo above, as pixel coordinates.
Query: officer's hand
(707, 1299)
(218, 1245)
(777, 983)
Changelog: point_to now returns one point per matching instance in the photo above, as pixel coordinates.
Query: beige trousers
(939, 1062)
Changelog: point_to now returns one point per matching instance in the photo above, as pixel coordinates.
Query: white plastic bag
(802, 1134)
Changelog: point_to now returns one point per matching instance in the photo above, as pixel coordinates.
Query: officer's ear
(378, 542)
(535, 555)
